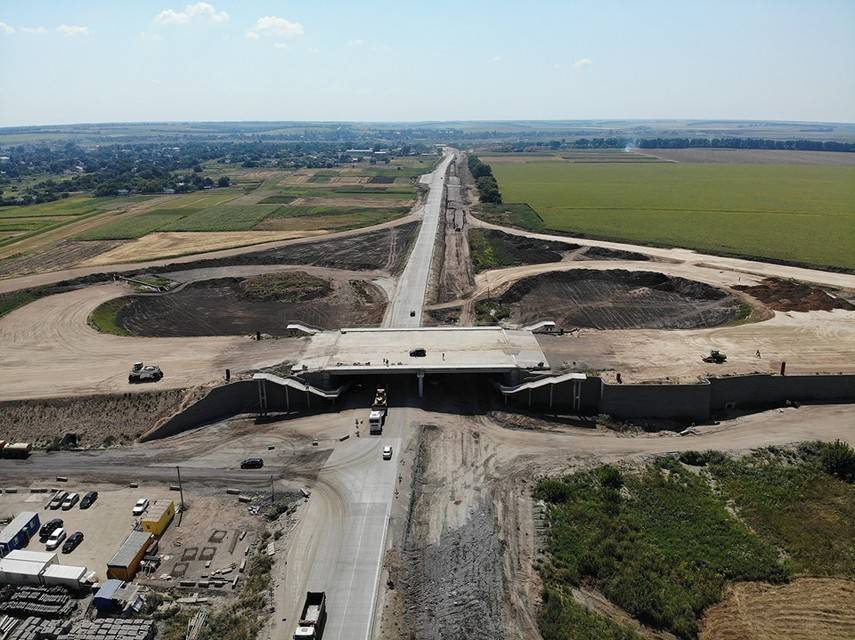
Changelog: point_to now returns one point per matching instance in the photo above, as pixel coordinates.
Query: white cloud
(149, 37)
(199, 9)
(355, 43)
(36, 30)
(280, 45)
(71, 30)
(582, 62)
(274, 26)
(5, 28)
(496, 59)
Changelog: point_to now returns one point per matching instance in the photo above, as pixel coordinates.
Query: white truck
(378, 412)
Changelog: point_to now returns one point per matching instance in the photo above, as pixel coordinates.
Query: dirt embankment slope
(618, 299)
(243, 306)
(96, 420)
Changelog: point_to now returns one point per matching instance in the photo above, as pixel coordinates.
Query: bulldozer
(716, 356)
(144, 373)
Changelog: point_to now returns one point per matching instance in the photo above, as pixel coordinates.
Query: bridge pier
(421, 376)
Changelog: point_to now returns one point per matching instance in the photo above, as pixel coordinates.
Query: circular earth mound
(242, 306)
(613, 299)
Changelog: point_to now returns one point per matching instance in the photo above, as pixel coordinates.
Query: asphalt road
(340, 541)
(407, 303)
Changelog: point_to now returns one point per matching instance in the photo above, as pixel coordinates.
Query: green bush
(838, 460)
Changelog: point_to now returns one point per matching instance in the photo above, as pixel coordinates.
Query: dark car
(73, 540)
(88, 499)
(252, 463)
(49, 527)
(418, 353)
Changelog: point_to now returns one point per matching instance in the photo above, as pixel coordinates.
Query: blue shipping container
(17, 533)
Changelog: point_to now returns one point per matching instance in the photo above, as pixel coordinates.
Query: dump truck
(313, 618)
(144, 373)
(17, 450)
(715, 356)
(378, 412)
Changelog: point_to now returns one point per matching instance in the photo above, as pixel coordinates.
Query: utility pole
(180, 487)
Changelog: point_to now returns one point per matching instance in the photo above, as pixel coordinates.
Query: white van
(55, 539)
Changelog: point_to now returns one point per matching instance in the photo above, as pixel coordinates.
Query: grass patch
(278, 199)
(562, 618)
(491, 249)
(106, 315)
(319, 177)
(289, 286)
(15, 300)
(796, 213)
(310, 210)
(787, 498)
(511, 215)
(490, 312)
(137, 226)
(658, 543)
(223, 218)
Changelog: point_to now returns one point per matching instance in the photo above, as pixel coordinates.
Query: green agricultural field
(223, 218)
(797, 213)
(137, 226)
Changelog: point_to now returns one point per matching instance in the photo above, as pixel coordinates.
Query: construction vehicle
(378, 412)
(716, 356)
(313, 618)
(144, 373)
(17, 450)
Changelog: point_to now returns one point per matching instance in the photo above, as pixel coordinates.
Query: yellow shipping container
(158, 517)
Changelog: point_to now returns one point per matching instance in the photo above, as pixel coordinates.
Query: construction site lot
(104, 525)
(264, 303)
(799, 213)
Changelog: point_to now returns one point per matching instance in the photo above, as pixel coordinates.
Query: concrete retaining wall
(668, 401)
(235, 398)
(766, 390)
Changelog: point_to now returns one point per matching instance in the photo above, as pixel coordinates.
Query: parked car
(252, 463)
(73, 541)
(70, 500)
(88, 499)
(49, 527)
(58, 499)
(140, 506)
(387, 453)
(55, 538)
(418, 353)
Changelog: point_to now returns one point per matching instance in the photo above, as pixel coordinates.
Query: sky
(71, 61)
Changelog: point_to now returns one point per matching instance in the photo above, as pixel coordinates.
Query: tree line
(488, 188)
(619, 142)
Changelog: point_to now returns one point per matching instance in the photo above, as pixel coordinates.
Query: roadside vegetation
(490, 249)
(488, 189)
(796, 213)
(288, 286)
(665, 541)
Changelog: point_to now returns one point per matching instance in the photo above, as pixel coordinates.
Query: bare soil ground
(619, 299)
(165, 244)
(753, 156)
(787, 295)
(223, 307)
(453, 265)
(385, 249)
(94, 419)
(806, 609)
(61, 256)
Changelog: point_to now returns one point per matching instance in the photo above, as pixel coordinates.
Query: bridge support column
(421, 376)
(262, 397)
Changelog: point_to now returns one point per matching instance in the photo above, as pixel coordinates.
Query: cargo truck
(17, 450)
(378, 412)
(313, 618)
